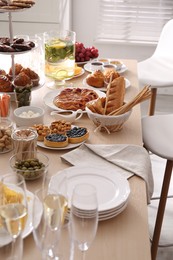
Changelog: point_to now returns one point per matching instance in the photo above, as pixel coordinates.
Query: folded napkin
(122, 158)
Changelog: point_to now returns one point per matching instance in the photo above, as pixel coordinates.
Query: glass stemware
(48, 218)
(13, 214)
(84, 216)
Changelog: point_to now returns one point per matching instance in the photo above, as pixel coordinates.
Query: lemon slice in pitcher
(61, 74)
(58, 44)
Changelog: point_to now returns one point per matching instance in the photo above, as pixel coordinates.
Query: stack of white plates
(112, 188)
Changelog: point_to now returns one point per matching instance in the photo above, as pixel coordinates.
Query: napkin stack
(122, 158)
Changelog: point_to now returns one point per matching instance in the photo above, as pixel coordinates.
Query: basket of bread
(109, 113)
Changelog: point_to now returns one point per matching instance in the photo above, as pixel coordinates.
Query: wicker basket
(108, 123)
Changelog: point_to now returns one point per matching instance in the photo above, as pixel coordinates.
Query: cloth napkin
(122, 158)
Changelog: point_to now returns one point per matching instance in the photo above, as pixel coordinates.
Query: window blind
(132, 21)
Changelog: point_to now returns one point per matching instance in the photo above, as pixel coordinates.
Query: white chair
(158, 138)
(157, 70)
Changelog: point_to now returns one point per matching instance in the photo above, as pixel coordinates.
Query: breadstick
(107, 94)
(143, 95)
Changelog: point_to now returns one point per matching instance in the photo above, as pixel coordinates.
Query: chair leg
(152, 101)
(161, 209)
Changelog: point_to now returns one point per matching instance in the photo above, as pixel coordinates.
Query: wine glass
(48, 208)
(84, 215)
(13, 213)
(59, 56)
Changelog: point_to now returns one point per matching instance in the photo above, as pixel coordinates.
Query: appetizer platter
(60, 135)
(100, 79)
(120, 69)
(66, 99)
(127, 85)
(13, 46)
(23, 77)
(15, 5)
(28, 227)
(70, 146)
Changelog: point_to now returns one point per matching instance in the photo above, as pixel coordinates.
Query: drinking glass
(59, 56)
(47, 221)
(13, 215)
(84, 216)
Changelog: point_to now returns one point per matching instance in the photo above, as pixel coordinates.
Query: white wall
(43, 16)
(84, 21)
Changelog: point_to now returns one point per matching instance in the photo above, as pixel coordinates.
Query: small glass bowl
(30, 165)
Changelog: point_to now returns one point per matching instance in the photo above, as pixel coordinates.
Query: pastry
(6, 48)
(77, 135)
(95, 79)
(114, 95)
(97, 106)
(42, 131)
(17, 70)
(74, 98)
(56, 140)
(5, 84)
(2, 72)
(60, 127)
(17, 44)
(22, 80)
(22, 86)
(32, 75)
(108, 73)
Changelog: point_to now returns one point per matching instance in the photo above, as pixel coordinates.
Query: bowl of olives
(31, 165)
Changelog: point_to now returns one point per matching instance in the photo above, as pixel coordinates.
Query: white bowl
(108, 123)
(28, 115)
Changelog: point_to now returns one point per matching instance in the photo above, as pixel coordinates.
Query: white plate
(78, 75)
(127, 85)
(49, 97)
(108, 215)
(69, 146)
(12, 94)
(18, 52)
(83, 62)
(28, 226)
(87, 67)
(112, 188)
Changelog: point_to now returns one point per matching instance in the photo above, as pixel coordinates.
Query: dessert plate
(127, 85)
(49, 98)
(28, 228)
(18, 52)
(87, 67)
(69, 146)
(12, 94)
(77, 75)
(112, 188)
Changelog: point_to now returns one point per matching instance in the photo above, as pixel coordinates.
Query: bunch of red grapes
(85, 54)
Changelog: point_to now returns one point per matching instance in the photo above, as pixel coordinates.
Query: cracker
(10, 7)
(21, 5)
(24, 2)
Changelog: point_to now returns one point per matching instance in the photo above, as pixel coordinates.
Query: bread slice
(115, 95)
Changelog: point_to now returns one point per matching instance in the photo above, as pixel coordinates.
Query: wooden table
(125, 236)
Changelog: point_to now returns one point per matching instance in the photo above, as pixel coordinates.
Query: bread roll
(95, 79)
(115, 95)
(108, 73)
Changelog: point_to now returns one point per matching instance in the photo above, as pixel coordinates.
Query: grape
(85, 53)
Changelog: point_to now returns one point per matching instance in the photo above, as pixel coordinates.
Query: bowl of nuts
(28, 115)
(30, 165)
